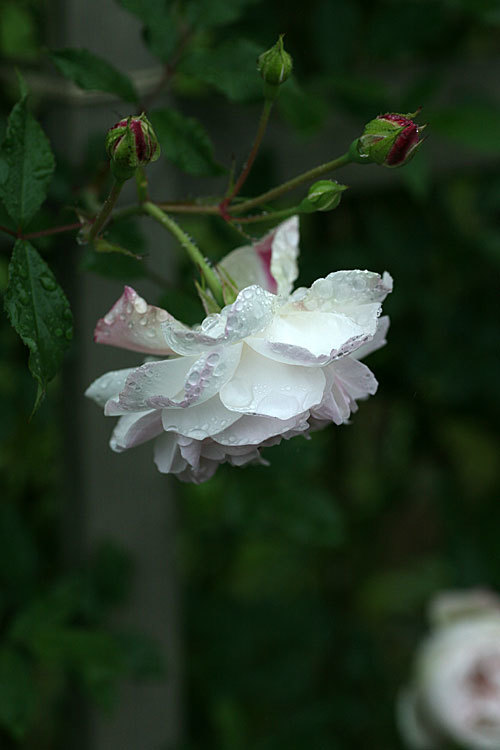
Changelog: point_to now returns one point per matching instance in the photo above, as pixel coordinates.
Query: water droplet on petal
(140, 305)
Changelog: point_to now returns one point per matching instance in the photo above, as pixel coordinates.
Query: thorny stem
(264, 119)
(194, 253)
(285, 187)
(41, 232)
(271, 216)
(106, 209)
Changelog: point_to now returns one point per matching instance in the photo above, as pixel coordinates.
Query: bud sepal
(275, 66)
(390, 140)
(324, 195)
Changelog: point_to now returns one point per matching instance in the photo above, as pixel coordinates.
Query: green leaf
(17, 693)
(92, 73)
(39, 312)
(160, 27)
(185, 142)
(231, 68)
(26, 165)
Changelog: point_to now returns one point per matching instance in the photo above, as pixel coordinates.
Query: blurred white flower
(455, 695)
(272, 365)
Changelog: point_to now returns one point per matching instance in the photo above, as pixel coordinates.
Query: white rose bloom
(455, 696)
(272, 365)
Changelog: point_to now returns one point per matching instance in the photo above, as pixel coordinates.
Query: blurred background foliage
(304, 584)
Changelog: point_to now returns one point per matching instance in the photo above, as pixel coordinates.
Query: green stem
(285, 187)
(206, 269)
(271, 216)
(141, 183)
(106, 209)
(264, 119)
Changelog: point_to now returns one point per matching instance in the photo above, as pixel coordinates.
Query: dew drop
(109, 319)
(128, 309)
(48, 283)
(58, 332)
(140, 305)
(123, 317)
(69, 333)
(150, 333)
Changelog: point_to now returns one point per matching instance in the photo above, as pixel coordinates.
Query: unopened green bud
(131, 143)
(275, 66)
(324, 195)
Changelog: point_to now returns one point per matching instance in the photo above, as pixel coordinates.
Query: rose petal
(309, 338)
(134, 429)
(268, 388)
(180, 382)
(133, 324)
(347, 380)
(251, 430)
(251, 312)
(108, 385)
(167, 455)
(271, 263)
(377, 342)
(357, 294)
(199, 421)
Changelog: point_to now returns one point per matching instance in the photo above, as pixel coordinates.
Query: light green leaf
(92, 73)
(26, 163)
(39, 312)
(160, 27)
(185, 142)
(231, 68)
(17, 693)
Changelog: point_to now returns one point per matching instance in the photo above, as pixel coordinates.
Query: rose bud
(390, 139)
(275, 66)
(131, 143)
(324, 195)
(455, 693)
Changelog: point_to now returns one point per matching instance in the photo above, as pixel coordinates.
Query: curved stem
(106, 209)
(194, 253)
(285, 187)
(264, 119)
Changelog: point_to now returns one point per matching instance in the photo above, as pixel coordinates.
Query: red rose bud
(390, 140)
(131, 143)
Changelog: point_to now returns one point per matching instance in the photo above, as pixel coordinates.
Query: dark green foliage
(92, 73)
(39, 311)
(185, 142)
(26, 165)
(230, 68)
(160, 27)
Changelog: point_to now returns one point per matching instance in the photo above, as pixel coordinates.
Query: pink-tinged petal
(251, 312)
(268, 388)
(309, 338)
(200, 421)
(347, 380)
(377, 342)
(151, 386)
(271, 262)
(133, 324)
(251, 430)
(134, 429)
(357, 294)
(180, 382)
(108, 386)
